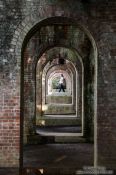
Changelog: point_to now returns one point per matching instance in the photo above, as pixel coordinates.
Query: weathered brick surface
(17, 18)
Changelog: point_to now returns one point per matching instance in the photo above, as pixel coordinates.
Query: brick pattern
(17, 19)
(9, 128)
(106, 99)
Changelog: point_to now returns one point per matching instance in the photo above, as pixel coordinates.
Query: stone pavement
(60, 156)
(9, 171)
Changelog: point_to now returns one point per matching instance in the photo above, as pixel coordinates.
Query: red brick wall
(9, 128)
(100, 18)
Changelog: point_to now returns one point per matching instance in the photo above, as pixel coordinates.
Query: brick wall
(17, 18)
(9, 126)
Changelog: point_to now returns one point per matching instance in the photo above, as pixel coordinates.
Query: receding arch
(30, 33)
(79, 75)
(79, 69)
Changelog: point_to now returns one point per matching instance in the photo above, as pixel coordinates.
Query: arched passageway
(38, 56)
(59, 110)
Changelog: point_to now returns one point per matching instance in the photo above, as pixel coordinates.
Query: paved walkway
(59, 156)
(9, 171)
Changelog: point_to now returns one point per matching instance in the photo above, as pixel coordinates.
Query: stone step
(58, 120)
(60, 109)
(65, 99)
(39, 139)
(57, 134)
(58, 130)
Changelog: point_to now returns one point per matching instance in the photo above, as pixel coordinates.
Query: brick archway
(21, 42)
